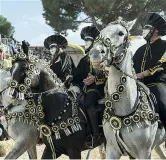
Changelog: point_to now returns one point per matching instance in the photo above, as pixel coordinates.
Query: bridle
(115, 60)
(25, 88)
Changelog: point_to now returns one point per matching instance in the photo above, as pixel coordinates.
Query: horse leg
(47, 153)
(160, 151)
(145, 154)
(74, 154)
(19, 148)
(111, 153)
(32, 153)
(101, 149)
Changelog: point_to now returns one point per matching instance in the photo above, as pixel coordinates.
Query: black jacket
(62, 65)
(152, 57)
(81, 72)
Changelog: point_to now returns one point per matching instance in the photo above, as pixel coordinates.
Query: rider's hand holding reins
(89, 80)
(143, 74)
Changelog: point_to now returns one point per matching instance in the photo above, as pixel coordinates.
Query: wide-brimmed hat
(157, 21)
(58, 40)
(89, 32)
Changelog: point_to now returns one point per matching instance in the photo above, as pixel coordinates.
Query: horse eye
(120, 33)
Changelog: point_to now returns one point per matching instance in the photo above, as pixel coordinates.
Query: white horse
(25, 135)
(130, 123)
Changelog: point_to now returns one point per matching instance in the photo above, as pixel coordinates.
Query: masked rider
(150, 60)
(61, 63)
(90, 80)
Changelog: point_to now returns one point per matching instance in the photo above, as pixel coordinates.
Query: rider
(91, 83)
(150, 60)
(61, 62)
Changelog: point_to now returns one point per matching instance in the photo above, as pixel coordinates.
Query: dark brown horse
(65, 126)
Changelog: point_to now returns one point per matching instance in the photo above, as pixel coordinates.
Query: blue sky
(26, 17)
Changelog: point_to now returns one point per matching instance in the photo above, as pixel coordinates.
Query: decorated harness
(34, 115)
(144, 104)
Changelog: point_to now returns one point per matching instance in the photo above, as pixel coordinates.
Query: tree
(6, 27)
(65, 14)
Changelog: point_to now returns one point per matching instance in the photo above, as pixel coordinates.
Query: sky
(26, 17)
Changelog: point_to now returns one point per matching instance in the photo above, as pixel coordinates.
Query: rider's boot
(93, 117)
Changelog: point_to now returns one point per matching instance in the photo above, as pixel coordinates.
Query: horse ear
(25, 47)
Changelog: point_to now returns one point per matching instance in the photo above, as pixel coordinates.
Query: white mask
(145, 32)
(53, 50)
(88, 44)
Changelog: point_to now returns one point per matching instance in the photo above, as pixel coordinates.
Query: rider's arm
(160, 66)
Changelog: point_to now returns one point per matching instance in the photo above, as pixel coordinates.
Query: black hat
(89, 32)
(58, 40)
(158, 22)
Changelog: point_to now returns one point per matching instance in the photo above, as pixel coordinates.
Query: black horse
(65, 126)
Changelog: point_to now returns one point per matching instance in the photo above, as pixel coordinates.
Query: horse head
(29, 73)
(111, 44)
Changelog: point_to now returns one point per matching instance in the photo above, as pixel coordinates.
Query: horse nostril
(102, 51)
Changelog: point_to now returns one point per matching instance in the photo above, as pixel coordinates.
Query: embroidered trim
(144, 58)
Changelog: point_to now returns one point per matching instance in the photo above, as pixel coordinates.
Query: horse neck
(46, 82)
(128, 97)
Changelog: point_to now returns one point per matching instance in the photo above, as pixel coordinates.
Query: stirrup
(90, 143)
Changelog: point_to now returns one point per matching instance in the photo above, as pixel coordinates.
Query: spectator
(2, 56)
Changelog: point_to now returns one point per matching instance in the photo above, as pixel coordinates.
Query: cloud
(38, 19)
(73, 37)
(39, 40)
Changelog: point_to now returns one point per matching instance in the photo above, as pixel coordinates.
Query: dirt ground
(93, 155)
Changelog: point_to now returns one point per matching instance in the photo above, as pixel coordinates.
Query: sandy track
(94, 154)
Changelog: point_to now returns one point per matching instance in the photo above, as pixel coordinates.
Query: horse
(25, 136)
(60, 119)
(129, 116)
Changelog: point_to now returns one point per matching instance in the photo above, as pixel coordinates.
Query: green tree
(65, 14)
(6, 27)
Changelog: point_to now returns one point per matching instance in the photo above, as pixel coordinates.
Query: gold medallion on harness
(150, 115)
(144, 107)
(63, 125)
(115, 123)
(13, 84)
(106, 116)
(30, 102)
(115, 96)
(108, 103)
(120, 88)
(136, 118)
(123, 79)
(32, 110)
(127, 122)
(70, 121)
(41, 115)
(144, 97)
(77, 120)
(27, 81)
(55, 128)
(143, 114)
(22, 56)
(45, 130)
(27, 115)
(20, 114)
(156, 117)
(22, 88)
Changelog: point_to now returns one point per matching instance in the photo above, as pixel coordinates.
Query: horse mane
(46, 81)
